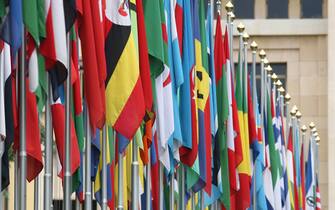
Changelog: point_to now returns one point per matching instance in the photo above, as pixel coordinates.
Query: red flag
(92, 40)
(33, 148)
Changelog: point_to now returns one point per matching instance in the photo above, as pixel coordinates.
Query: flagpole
(148, 181)
(2, 149)
(245, 43)
(48, 149)
(16, 181)
(120, 182)
(135, 178)
(36, 193)
(172, 190)
(231, 43)
(287, 103)
(104, 168)
(303, 130)
(23, 145)
(229, 8)
(67, 174)
(182, 188)
(240, 29)
(192, 200)
(88, 185)
(262, 55)
(254, 47)
(161, 187)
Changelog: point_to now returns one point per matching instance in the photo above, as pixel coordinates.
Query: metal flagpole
(262, 55)
(254, 47)
(229, 8)
(172, 190)
(192, 200)
(16, 181)
(22, 105)
(287, 103)
(67, 174)
(182, 188)
(77, 204)
(36, 193)
(240, 29)
(48, 149)
(161, 187)
(2, 149)
(303, 130)
(231, 43)
(104, 168)
(135, 178)
(148, 181)
(88, 185)
(245, 43)
(120, 182)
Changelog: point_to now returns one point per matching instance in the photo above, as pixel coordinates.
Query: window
(311, 8)
(277, 8)
(244, 9)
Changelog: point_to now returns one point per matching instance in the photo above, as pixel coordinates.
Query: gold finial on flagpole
(218, 6)
(274, 78)
(268, 68)
(304, 128)
(317, 140)
(314, 130)
(229, 7)
(287, 98)
(245, 37)
(311, 125)
(293, 112)
(253, 46)
(240, 28)
(232, 16)
(281, 90)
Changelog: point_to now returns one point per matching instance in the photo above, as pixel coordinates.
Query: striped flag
(290, 200)
(124, 94)
(53, 47)
(318, 196)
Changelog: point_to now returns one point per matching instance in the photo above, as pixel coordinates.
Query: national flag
(177, 79)
(221, 58)
(257, 189)
(310, 177)
(290, 200)
(160, 73)
(94, 55)
(53, 47)
(146, 80)
(303, 189)
(244, 170)
(33, 148)
(124, 94)
(188, 115)
(58, 123)
(296, 157)
(6, 111)
(274, 156)
(11, 30)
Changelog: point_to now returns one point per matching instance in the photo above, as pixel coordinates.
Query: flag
(189, 150)
(11, 31)
(179, 16)
(310, 178)
(91, 33)
(257, 189)
(33, 144)
(222, 74)
(124, 94)
(58, 123)
(244, 170)
(146, 81)
(274, 156)
(177, 78)
(53, 47)
(290, 200)
(160, 73)
(6, 111)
